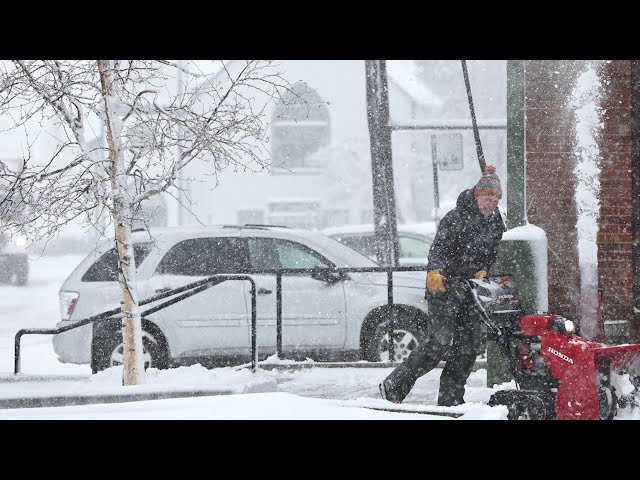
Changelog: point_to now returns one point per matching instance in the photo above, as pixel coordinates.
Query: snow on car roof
(424, 228)
(339, 253)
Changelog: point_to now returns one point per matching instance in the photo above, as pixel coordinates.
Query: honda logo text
(560, 355)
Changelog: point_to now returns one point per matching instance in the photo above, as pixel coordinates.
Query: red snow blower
(558, 374)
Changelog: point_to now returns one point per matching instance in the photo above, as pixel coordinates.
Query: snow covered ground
(268, 393)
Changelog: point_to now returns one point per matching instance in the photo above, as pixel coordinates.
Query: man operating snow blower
(465, 245)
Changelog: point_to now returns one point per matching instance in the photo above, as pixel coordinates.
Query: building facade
(551, 140)
(320, 161)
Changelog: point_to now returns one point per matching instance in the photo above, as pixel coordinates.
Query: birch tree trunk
(133, 365)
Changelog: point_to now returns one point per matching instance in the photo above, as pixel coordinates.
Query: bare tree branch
(122, 131)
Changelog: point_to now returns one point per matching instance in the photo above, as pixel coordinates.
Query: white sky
(404, 73)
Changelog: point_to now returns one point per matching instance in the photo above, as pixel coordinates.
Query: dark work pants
(455, 336)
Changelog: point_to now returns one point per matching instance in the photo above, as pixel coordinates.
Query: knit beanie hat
(489, 180)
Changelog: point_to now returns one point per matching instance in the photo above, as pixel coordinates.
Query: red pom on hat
(489, 180)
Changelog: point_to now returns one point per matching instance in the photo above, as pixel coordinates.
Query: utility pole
(384, 204)
(515, 144)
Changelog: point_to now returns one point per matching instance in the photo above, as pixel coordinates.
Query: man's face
(487, 201)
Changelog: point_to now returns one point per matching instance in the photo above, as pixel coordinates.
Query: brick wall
(550, 182)
(615, 259)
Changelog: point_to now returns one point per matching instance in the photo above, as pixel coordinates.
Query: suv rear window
(105, 269)
(205, 256)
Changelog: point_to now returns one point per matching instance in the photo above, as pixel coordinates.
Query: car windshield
(414, 240)
(342, 255)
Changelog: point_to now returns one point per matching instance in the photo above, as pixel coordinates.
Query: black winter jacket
(466, 242)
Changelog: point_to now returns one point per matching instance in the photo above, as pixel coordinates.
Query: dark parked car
(414, 240)
(14, 260)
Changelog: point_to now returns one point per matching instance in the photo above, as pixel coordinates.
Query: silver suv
(322, 319)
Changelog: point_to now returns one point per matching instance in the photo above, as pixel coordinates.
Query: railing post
(254, 329)
(16, 366)
(279, 315)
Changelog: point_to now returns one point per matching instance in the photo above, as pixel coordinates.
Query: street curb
(72, 400)
(38, 377)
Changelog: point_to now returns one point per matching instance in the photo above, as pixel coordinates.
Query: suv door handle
(264, 291)
(162, 290)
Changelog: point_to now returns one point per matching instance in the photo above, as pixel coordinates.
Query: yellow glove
(480, 275)
(435, 281)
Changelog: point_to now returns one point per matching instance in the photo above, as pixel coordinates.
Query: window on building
(366, 216)
(299, 128)
(250, 217)
(296, 214)
(336, 218)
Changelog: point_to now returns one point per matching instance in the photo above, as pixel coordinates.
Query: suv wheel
(407, 335)
(154, 354)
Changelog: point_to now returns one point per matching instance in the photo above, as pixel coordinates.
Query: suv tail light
(68, 301)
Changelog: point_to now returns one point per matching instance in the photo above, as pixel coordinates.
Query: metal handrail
(194, 287)
(211, 281)
(389, 270)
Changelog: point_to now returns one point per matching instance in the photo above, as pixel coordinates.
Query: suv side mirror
(324, 273)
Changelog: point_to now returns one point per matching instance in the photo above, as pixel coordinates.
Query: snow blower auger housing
(558, 374)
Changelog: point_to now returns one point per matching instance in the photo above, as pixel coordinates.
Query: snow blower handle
(464, 287)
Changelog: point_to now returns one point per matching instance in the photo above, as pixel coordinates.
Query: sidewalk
(330, 380)
(37, 390)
